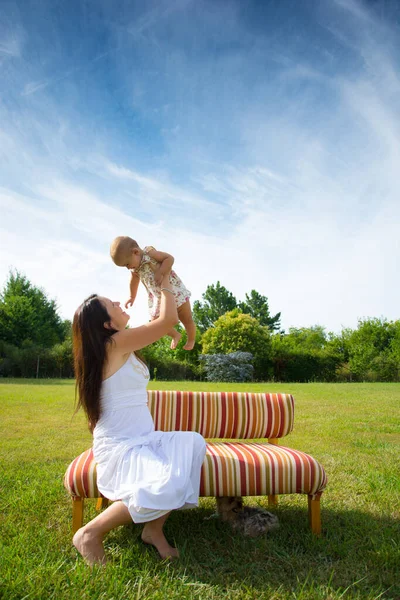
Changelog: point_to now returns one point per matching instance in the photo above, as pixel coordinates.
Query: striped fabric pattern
(229, 469)
(223, 415)
(80, 479)
(257, 469)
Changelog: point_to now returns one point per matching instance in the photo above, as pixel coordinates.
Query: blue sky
(258, 142)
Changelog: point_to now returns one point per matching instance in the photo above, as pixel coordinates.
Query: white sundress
(152, 472)
(145, 272)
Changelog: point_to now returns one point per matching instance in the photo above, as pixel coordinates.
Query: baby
(148, 266)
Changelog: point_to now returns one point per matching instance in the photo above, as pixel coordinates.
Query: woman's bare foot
(159, 541)
(89, 546)
(189, 345)
(175, 339)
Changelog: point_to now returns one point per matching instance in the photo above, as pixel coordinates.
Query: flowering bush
(233, 367)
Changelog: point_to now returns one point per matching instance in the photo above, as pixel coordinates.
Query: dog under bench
(233, 467)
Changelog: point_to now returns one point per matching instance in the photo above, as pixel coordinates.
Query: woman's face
(118, 317)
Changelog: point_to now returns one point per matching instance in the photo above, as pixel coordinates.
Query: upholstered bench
(230, 468)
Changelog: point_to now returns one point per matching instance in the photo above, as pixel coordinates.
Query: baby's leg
(186, 318)
(176, 336)
(173, 333)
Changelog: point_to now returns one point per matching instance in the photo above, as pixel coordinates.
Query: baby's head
(125, 252)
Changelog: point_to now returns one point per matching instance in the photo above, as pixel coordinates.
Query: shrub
(31, 360)
(238, 332)
(165, 369)
(233, 367)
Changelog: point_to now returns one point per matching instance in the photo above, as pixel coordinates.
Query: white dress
(152, 472)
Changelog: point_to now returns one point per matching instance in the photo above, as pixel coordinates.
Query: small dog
(245, 519)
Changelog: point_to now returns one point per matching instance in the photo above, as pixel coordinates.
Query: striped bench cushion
(229, 469)
(259, 469)
(233, 415)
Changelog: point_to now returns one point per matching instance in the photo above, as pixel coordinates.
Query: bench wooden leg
(314, 513)
(77, 513)
(101, 504)
(273, 498)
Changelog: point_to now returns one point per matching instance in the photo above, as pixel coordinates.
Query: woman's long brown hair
(90, 338)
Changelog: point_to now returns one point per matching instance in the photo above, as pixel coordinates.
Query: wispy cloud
(161, 192)
(10, 45)
(154, 16)
(34, 86)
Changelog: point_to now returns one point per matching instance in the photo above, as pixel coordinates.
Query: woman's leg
(88, 540)
(153, 534)
(186, 318)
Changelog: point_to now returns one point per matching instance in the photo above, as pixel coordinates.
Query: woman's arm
(129, 340)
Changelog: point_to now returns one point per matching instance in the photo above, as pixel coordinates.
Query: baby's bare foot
(175, 340)
(89, 546)
(189, 345)
(161, 545)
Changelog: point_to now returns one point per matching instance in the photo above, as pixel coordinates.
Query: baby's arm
(165, 263)
(133, 287)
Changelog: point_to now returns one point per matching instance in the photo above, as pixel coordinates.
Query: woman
(146, 473)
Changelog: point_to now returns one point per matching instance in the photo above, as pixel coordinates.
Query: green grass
(353, 429)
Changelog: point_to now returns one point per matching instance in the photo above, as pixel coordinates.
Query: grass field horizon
(352, 429)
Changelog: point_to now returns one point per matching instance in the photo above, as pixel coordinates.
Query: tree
(217, 301)
(302, 355)
(62, 356)
(66, 329)
(311, 338)
(374, 350)
(340, 343)
(256, 306)
(235, 331)
(27, 315)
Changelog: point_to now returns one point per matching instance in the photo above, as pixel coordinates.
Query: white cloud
(305, 210)
(65, 248)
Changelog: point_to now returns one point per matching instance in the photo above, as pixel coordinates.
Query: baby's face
(132, 260)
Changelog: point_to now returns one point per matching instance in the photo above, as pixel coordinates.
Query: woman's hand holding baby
(158, 275)
(164, 268)
(164, 280)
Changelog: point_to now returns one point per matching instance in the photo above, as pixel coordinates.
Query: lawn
(353, 429)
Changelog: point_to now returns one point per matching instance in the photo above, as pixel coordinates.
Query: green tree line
(36, 342)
